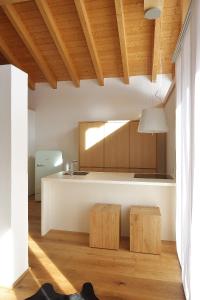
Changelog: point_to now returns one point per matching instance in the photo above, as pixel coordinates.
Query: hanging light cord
(161, 68)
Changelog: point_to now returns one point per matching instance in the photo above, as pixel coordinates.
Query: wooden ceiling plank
(8, 54)
(5, 2)
(122, 38)
(26, 37)
(56, 36)
(156, 49)
(139, 37)
(82, 13)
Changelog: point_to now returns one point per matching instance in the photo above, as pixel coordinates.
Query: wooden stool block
(145, 229)
(105, 226)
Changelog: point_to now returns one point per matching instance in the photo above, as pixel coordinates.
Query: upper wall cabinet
(142, 148)
(91, 144)
(116, 144)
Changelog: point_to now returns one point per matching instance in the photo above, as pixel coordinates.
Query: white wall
(13, 174)
(83, 195)
(170, 110)
(31, 152)
(5, 151)
(59, 111)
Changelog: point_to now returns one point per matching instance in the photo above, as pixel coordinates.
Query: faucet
(72, 166)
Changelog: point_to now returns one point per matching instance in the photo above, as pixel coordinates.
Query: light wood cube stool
(105, 226)
(145, 229)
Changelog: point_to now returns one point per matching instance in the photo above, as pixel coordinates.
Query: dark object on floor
(87, 292)
(47, 292)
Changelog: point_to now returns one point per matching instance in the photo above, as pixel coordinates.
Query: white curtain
(183, 153)
(188, 156)
(195, 226)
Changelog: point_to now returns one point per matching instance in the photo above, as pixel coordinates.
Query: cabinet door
(142, 148)
(161, 152)
(116, 144)
(91, 144)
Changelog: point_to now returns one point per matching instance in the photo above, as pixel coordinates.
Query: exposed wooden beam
(122, 38)
(56, 36)
(8, 54)
(173, 71)
(5, 2)
(82, 13)
(30, 44)
(156, 50)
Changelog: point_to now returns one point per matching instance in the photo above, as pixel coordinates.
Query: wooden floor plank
(66, 261)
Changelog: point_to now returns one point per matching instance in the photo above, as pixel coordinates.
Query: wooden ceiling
(54, 40)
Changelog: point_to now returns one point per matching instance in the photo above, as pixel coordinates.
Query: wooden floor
(65, 260)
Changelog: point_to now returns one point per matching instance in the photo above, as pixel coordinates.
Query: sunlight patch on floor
(7, 264)
(61, 281)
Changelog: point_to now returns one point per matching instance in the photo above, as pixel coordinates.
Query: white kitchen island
(67, 200)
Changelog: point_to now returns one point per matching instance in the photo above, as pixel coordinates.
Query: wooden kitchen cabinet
(142, 148)
(116, 146)
(91, 144)
(161, 152)
(116, 151)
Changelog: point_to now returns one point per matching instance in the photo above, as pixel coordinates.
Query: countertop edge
(148, 182)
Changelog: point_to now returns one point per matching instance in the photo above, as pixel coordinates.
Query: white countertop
(110, 178)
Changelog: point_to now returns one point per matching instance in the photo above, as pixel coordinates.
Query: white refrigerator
(47, 162)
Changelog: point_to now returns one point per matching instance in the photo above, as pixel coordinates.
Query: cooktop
(153, 176)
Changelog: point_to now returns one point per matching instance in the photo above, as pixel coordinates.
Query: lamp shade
(153, 120)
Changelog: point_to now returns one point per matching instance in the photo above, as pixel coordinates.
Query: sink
(152, 176)
(76, 173)
(80, 173)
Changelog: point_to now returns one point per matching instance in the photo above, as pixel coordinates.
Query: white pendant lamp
(153, 120)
